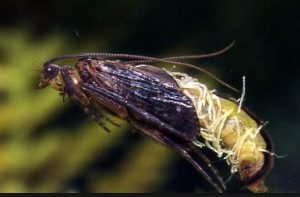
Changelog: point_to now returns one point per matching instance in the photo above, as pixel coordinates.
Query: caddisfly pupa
(172, 108)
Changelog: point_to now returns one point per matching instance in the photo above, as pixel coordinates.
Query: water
(48, 146)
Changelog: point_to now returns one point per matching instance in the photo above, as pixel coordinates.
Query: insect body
(172, 108)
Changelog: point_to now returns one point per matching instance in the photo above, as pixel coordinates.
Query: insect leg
(152, 133)
(111, 121)
(97, 117)
(151, 120)
(63, 94)
(209, 164)
(147, 117)
(73, 89)
(183, 151)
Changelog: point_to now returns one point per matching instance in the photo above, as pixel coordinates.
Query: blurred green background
(50, 146)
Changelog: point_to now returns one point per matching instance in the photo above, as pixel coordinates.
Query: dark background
(266, 51)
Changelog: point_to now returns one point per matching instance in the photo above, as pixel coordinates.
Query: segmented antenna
(190, 57)
(169, 60)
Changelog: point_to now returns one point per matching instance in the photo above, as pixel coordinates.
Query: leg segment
(100, 93)
(182, 150)
(210, 165)
(184, 153)
(96, 116)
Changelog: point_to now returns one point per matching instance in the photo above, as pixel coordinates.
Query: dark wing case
(151, 90)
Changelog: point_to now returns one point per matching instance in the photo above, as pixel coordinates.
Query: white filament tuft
(214, 119)
(241, 100)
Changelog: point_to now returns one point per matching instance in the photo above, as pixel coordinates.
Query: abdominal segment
(230, 133)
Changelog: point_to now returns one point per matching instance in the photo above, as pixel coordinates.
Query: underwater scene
(158, 96)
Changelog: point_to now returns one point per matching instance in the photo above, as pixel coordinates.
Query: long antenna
(189, 57)
(146, 58)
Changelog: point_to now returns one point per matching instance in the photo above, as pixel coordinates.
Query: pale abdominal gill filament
(216, 121)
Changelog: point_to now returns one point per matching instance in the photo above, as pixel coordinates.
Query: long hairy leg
(209, 164)
(181, 150)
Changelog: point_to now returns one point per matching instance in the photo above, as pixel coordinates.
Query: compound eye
(50, 71)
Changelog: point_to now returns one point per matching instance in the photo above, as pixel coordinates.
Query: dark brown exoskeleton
(151, 100)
